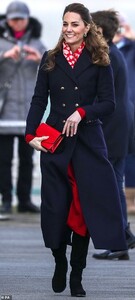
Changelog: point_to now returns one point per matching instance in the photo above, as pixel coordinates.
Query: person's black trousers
(25, 168)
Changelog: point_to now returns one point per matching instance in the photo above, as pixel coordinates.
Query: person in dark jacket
(127, 48)
(117, 128)
(20, 54)
(80, 198)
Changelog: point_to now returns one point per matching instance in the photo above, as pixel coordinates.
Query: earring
(85, 34)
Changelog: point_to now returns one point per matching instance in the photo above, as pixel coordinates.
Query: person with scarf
(79, 192)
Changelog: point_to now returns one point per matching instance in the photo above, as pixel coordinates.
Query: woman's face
(18, 24)
(73, 30)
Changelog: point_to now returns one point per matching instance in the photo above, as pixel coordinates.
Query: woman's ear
(87, 28)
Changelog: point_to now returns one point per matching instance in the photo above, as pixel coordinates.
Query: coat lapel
(82, 63)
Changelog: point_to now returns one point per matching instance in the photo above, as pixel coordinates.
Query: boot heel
(76, 287)
(77, 290)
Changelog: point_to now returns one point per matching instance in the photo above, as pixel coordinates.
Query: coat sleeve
(39, 100)
(104, 103)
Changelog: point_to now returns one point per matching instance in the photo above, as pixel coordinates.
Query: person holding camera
(20, 54)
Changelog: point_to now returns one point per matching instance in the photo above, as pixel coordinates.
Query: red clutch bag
(55, 137)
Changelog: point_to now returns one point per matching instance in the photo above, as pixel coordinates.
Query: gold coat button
(63, 104)
(76, 105)
(64, 121)
(62, 88)
(76, 88)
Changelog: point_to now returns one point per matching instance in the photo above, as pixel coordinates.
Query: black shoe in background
(28, 207)
(5, 217)
(5, 211)
(6, 208)
(119, 255)
(110, 255)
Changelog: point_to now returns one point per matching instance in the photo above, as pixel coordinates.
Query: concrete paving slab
(26, 266)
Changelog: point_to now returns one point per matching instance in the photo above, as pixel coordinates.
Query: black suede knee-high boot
(78, 263)
(61, 267)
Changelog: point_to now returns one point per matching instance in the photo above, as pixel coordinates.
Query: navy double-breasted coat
(68, 89)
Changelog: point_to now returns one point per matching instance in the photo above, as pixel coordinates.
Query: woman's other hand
(36, 143)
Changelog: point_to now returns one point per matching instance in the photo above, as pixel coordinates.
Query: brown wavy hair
(94, 41)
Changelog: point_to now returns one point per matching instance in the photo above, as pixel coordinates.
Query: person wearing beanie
(20, 53)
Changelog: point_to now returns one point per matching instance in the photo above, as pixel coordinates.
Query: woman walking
(79, 192)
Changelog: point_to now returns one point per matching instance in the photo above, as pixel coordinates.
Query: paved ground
(26, 266)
